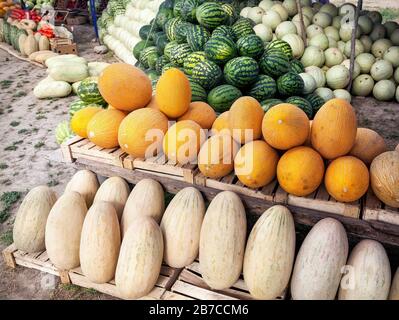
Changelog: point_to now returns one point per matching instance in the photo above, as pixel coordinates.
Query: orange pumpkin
(347, 179)
(221, 124)
(81, 119)
(334, 129)
(182, 142)
(142, 131)
(384, 173)
(245, 119)
(285, 126)
(103, 128)
(173, 93)
(216, 157)
(300, 171)
(255, 164)
(368, 145)
(125, 87)
(201, 113)
(153, 103)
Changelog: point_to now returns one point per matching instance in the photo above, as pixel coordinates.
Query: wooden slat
(168, 295)
(197, 292)
(9, 257)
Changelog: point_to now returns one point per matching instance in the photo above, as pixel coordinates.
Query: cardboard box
(66, 49)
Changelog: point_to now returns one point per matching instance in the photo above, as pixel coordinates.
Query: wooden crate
(190, 285)
(81, 148)
(40, 261)
(380, 215)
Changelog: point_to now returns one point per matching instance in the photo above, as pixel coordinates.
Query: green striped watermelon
(250, 46)
(171, 65)
(163, 15)
(148, 57)
(191, 61)
(224, 31)
(296, 66)
(316, 101)
(231, 13)
(198, 93)
(169, 47)
(264, 88)
(181, 31)
(161, 62)
(290, 84)
(220, 49)
(78, 104)
(211, 15)
(208, 74)
(140, 46)
(145, 32)
(170, 28)
(197, 36)
(241, 72)
(301, 103)
(188, 10)
(88, 91)
(243, 27)
(177, 8)
(268, 103)
(274, 64)
(280, 45)
(179, 53)
(222, 97)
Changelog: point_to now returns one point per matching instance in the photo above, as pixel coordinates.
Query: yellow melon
(347, 179)
(81, 119)
(221, 124)
(368, 145)
(201, 113)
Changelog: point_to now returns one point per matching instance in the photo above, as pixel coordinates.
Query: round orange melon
(245, 119)
(255, 164)
(182, 142)
(81, 119)
(173, 93)
(103, 128)
(112, 108)
(216, 157)
(334, 129)
(347, 179)
(201, 113)
(384, 176)
(285, 126)
(368, 145)
(125, 87)
(300, 171)
(142, 131)
(221, 124)
(153, 103)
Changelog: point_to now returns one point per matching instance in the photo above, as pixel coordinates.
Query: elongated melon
(84, 182)
(100, 242)
(116, 191)
(146, 199)
(181, 227)
(222, 241)
(63, 230)
(394, 294)
(270, 252)
(30, 222)
(317, 270)
(140, 259)
(369, 273)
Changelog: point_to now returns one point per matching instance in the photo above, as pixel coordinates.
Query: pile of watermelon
(222, 56)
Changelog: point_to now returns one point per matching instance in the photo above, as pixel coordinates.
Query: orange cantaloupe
(103, 128)
(368, 145)
(201, 113)
(255, 164)
(300, 171)
(347, 179)
(182, 141)
(173, 93)
(245, 119)
(285, 126)
(334, 129)
(81, 119)
(142, 131)
(216, 157)
(153, 103)
(125, 87)
(221, 124)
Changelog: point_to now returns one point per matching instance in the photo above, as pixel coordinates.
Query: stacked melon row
(257, 146)
(327, 51)
(120, 23)
(112, 233)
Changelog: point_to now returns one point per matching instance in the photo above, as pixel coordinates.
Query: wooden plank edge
(8, 256)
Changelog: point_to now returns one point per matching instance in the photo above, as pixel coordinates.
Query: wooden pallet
(191, 286)
(380, 215)
(40, 261)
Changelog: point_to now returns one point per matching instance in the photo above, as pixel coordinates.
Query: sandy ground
(28, 138)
